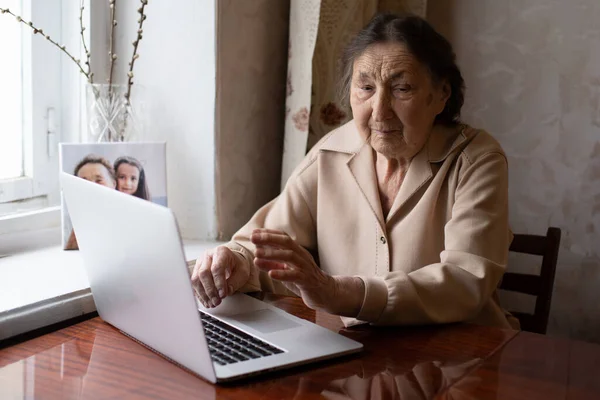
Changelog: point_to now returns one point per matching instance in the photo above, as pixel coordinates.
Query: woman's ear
(443, 93)
(446, 92)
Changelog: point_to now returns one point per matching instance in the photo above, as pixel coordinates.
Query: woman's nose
(382, 107)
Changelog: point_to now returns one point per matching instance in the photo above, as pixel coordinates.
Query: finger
(196, 284)
(280, 240)
(303, 255)
(208, 283)
(287, 275)
(220, 266)
(267, 230)
(281, 255)
(239, 272)
(202, 296)
(292, 287)
(267, 265)
(196, 269)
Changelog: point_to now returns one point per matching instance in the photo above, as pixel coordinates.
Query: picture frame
(135, 168)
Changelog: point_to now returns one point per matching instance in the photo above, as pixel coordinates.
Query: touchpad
(265, 321)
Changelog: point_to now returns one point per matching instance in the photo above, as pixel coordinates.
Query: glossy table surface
(92, 360)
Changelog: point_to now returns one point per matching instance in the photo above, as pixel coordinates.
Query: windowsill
(48, 285)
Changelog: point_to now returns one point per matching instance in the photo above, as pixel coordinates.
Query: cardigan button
(382, 240)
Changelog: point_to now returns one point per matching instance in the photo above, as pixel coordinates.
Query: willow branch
(134, 57)
(87, 52)
(135, 43)
(111, 54)
(36, 30)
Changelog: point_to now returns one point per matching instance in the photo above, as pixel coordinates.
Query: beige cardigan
(441, 252)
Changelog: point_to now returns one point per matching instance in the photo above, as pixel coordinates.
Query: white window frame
(55, 85)
(41, 96)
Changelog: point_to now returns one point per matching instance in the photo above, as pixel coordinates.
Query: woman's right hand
(219, 273)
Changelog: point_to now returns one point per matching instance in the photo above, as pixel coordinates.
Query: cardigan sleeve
(289, 212)
(471, 265)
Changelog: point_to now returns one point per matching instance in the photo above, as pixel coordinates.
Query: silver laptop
(137, 271)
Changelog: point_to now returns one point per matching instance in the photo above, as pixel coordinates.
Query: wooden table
(92, 360)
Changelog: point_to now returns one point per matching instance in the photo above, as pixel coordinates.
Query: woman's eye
(402, 88)
(367, 88)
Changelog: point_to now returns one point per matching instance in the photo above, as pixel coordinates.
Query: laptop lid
(126, 242)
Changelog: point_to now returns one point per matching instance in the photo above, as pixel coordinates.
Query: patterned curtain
(319, 31)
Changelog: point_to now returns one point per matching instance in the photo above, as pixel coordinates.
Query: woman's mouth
(386, 131)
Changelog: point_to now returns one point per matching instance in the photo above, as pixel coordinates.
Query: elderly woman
(399, 217)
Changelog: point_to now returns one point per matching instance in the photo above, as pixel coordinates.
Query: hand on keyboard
(219, 273)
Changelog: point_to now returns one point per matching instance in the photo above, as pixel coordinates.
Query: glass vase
(110, 116)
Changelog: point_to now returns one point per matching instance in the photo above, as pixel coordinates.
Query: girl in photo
(131, 178)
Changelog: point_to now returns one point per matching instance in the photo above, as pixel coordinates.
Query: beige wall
(175, 81)
(532, 70)
(252, 55)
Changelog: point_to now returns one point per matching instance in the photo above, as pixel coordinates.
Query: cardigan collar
(346, 139)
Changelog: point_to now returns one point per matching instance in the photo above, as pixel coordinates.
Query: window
(11, 140)
(29, 241)
(30, 105)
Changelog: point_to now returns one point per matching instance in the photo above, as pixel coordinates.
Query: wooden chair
(540, 286)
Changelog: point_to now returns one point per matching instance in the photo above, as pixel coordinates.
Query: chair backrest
(540, 286)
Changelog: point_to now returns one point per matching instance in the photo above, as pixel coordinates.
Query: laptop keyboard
(229, 345)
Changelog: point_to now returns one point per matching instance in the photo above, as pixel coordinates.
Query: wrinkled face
(394, 101)
(128, 177)
(97, 173)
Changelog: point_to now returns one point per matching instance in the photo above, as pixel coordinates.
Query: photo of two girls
(137, 169)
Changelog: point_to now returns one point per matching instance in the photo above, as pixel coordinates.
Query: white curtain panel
(304, 25)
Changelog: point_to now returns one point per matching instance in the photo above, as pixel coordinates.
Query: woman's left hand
(287, 261)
